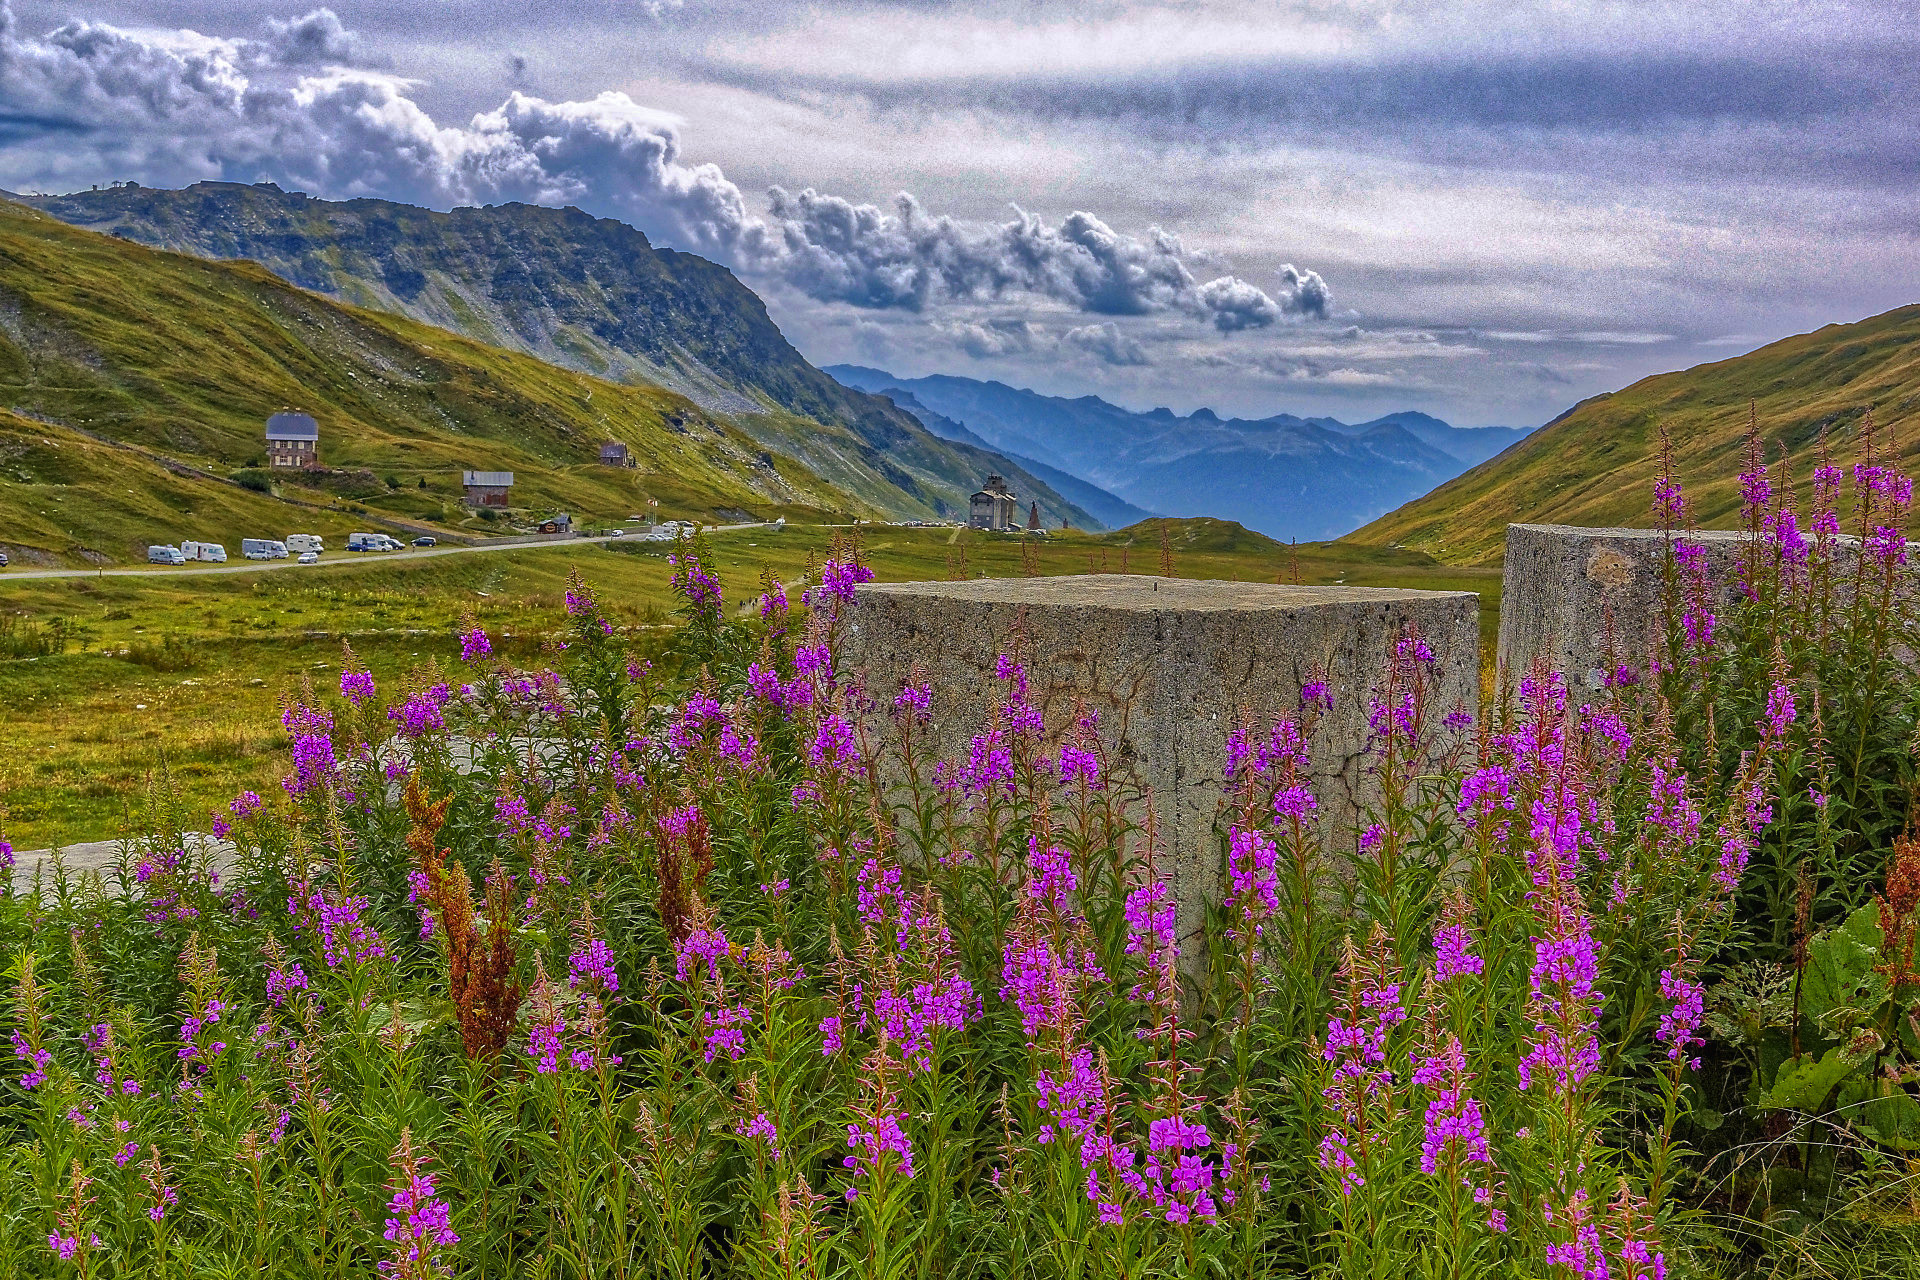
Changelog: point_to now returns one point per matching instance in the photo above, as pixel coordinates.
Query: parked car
(617, 533)
(3, 559)
(263, 549)
(372, 542)
(426, 541)
(308, 557)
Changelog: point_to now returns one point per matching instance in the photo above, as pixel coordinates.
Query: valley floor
(117, 687)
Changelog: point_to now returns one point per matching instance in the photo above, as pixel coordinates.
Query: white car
(308, 557)
(616, 533)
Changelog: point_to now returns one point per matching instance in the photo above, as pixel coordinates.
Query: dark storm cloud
(1843, 111)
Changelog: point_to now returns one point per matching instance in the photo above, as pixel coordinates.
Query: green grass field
(177, 681)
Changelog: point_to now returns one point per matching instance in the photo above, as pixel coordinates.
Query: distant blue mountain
(1286, 476)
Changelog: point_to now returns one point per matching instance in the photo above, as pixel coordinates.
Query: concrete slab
(1171, 665)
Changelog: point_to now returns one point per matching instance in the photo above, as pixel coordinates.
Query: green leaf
(1804, 1082)
(1884, 1112)
(1837, 960)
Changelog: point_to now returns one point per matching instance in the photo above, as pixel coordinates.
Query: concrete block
(1171, 665)
(1568, 592)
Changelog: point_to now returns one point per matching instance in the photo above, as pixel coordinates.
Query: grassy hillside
(587, 294)
(1595, 465)
(106, 343)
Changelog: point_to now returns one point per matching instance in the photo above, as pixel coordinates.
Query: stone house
(614, 453)
(293, 440)
(488, 488)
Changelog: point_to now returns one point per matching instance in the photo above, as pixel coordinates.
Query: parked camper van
(372, 542)
(263, 549)
(208, 552)
(299, 543)
(165, 555)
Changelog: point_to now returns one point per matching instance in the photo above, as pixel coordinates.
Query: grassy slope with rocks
(588, 294)
(1596, 464)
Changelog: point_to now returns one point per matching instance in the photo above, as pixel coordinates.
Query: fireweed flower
(422, 713)
(726, 1030)
(36, 1060)
(1455, 1135)
(1072, 1102)
(869, 1142)
(1041, 981)
(1356, 1046)
(1079, 767)
(835, 749)
(691, 582)
(1565, 1005)
(914, 702)
(356, 686)
(989, 765)
(1697, 618)
(1453, 942)
(420, 1222)
(163, 1195)
(1740, 832)
(591, 967)
(1785, 538)
(1780, 712)
(1175, 1181)
(283, 979)
(1679, 1023)
(314, 764)
(1050, 877)
(1888, 545)
(708, 945)
(344, 936)
(765, 684)
(512, 814)
(763, 1128)
(839, 578)
(1253, 868)
(474, 645)
(1669, 503)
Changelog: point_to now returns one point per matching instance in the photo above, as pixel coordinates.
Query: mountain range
(1596, 463)
(584, 293)
(1286, 476)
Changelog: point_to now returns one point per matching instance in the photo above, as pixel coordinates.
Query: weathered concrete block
(1569, 592)
(1171, 665)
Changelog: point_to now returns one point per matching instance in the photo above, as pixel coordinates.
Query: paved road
(103, 856)
(334, 558)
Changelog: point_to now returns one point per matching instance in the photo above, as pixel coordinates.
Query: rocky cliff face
(585, 293)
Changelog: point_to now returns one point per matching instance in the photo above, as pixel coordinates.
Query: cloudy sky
(1484, 210)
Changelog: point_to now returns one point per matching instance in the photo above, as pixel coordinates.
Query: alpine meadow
(1123, 640)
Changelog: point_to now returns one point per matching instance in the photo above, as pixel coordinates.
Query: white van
(165, 555)
(300, 542)
(208, 552)
(263, 549)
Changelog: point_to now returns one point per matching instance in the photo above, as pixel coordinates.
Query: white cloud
(294, 107)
